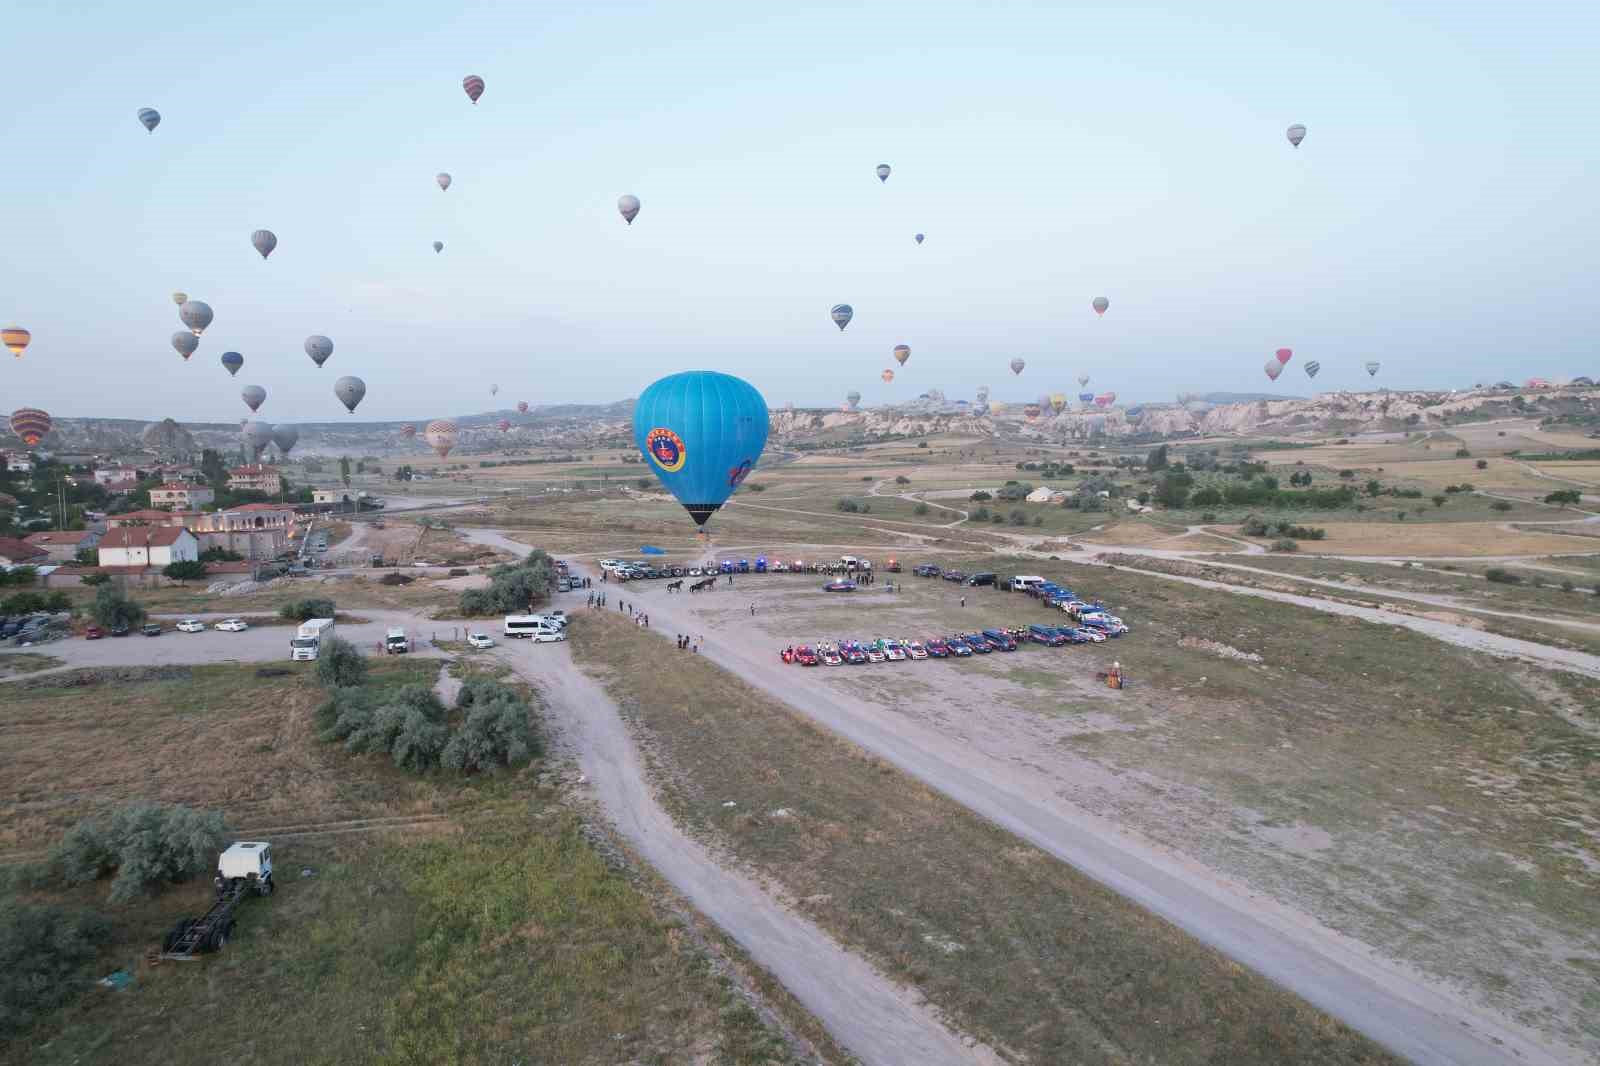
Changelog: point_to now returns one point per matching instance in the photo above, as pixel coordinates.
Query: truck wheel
(175, 934)
(220, 935)
(264, 887)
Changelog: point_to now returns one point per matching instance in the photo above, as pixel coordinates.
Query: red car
(805, 656)
(93, 633)
(938, 648)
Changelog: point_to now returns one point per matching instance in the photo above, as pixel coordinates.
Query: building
(105, 475)
(253, 530)
(256, 478)
(181, 494)
(19, 462)
(151, 518)
(63, 545)
(330, 496)
(1044, 494)
(147, 546)
(14, 552)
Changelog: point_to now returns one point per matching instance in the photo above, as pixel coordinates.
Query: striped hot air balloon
(16, 338)
(473, 86)
(902, 353)
(441, 436)
(1031, 412)
(408, 431)
(1313, 368)
(31, 424)
(503, 425)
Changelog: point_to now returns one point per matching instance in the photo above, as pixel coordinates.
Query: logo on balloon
(667, 449)
(737, 475)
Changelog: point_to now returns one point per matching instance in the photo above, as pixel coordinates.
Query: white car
(232, 625)
(480, 640)
(191, 625)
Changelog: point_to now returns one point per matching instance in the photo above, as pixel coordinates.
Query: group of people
(688, 643)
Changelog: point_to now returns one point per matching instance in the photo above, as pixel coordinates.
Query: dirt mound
(110, 675)
(1227, 651)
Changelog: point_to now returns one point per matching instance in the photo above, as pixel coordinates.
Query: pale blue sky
(1440, 216)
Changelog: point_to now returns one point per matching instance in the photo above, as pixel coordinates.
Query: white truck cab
(395, 642)
(249, 861)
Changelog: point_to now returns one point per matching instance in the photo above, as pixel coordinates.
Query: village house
(181, 494)
(255, 478)
(63, 545)
(14, 552)
(148, 546)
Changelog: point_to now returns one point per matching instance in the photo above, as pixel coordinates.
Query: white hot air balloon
(254, 396)
(350, 390)
(265, 241)
(628, 207)
(196, 314)
(443, 179)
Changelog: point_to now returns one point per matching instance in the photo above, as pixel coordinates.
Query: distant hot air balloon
(502, 425)
(1312, 368)
(919, 238)
(883, 171)
(350, 390)
(628, 207)
(257, 435)
(1296, 134)
(494, 390)
(254, 396)
(474, 87)
(1058, 402)
(1105, 399)
(1017, 365)
(196, 314)
(149, 118)
(443, 179)
(522, 407)
(185, 343)
(265, 241)
(983, 395)
(1100, 304)
(852, 398)
(887, 376)
(31, 424)
(438, 246)
(16, 338)
(841, 315)
(1283, 355)
(1372, 368)
(702, 433)
(1031, 412)
(408, 431)
(1083, 379)
(231, 362)
(1086, 397)
(180, 298)
(902, 353)
(319, 348)
(1273, 369)
(284, 438)
(441, 436)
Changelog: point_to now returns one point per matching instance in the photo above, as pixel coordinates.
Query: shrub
(1038, 520)
(980, 496)
(1482, 464)
(396, 579)
(1206, 497)
(495, 732)
(1462, 453)
(1501, 505)
(220, 555)
(1208, 516)
(184, 570)
(1284, 544)
(901, 479)
(1566, 586)
(22, 603)
(1439, 501)
(112, 608)
(1501, 577)
(145, 844)
(920, 509)
(1374, 486)
(41, 950)
(997, 518)
(1017, 517)
(981, 514)
(94, 580)
(340, 665)
(1563, 497)
(848, 506)
(513, 587)
(304, 610)
(1347, 474)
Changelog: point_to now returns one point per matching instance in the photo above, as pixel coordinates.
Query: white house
(1042, 494)
(182, 495)
(146, 546)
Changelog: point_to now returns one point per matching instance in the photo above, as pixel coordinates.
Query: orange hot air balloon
(441, 436)
(31, 424)
(16, 338)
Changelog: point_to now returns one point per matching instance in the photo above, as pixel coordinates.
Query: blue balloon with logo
(1086, 397)
(702, 433)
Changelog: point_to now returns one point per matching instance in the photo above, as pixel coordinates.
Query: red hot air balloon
(31, 424)
(1105, 399)
(408, 431)
(522, 407)
(503, 425)
(474, 87)
(1283, 355)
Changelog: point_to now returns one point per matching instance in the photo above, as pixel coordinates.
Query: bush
(981, 514)
(339, 665)
(1284, 544)
(901, 479)
(1482, 464)
(1206, 497)
(920, 509)
(396, 579)
(980, 496)
(1439, 501)
(495, 732)
(1017, 517)
(848, 506)
(1208, 516)
(1501, 505)
(22, 603)
(305, 610)
(998, 519)
(112, 608)
(1566, 586)
(145, 844)
(94, 580)
(513, 587)
(1462, 453)
(41, 950)
(220, 555)
(1563, 497)
(1501, 577)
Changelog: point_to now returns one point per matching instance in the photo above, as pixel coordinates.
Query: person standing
(963, 601)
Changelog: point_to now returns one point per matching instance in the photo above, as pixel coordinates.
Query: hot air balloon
(1017, 365)
(887, 376)
(1058, 402)
(983, 394)
(522, 407)
(1031, 412)
(319, 348)
(1100, 304)
(494, 390)
(196, 314)
(502, 425)
(185, 343)
(231, 362)
(257, 435)
(1273, 369)
(149, 118)
(1283, 355)
(265, 241)
(1372, 368)
(902, 353)
(883, 171)
(1105, 399)
(628, 207)
(254, 396)
(1312, 368)
(16, 338)
(852, 398)
(1296, 134)
(702, 433)
(919, 238)
(841, 315)
(441, 436)
(408, 431)
(31, 424)
(1086, 397)
(443, 179)
(180, 298)
(350, 389)
(438, 246)
(284, 438)
(474, 87)
(1083, 379)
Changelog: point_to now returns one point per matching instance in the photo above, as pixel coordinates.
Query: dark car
(151, 629)
(980, 643)
(852, 652)
(926, 570)
(1049, 636)
(1000, 639)
(954, 575)
(1073, 636)
(959, 648)
(980, 579)
(119, 630)
(839, 586)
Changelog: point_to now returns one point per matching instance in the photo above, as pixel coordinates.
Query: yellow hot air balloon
(16, 338)
(1058, 402)
(902, 353)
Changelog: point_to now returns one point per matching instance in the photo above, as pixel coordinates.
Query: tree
(185, 570)
(87, 556)
(113, 609)
(1563, 497)
(1501, 505)
(42, 948)
(144, 844)
(1482, 464)
(305, 610)
(1438, 501)
(339, 665)
(920, 509)
(214, 469)
(1157, 459)
(1374, 486)
(220, 555)
(344, 470)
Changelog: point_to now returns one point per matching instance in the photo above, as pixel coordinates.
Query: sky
(1440, 216)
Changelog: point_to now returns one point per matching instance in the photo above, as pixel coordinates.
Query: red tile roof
(15, 549)
(262, 507)
(58, 536)
(153, 517)
(253, 470)
(137, 537)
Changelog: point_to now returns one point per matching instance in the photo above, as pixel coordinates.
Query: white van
(535, 627)
(1024, 583)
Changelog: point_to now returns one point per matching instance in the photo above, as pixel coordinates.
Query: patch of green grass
(14, 664)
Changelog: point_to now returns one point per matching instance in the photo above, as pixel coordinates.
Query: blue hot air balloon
(1086, 397)
(701, 432)
(232, 361)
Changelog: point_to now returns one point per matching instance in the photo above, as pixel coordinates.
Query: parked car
(874, 654)
(479, 640)
(1090, 634)
(915, 650)
(977, 580)
(1000, 639)
(853, 652)
(92, 633)
(191, 625)
(937, 648)
(978, 643)
(893, 651)
(954, 575)
(831, 657)
(926, 570)
(1049, 636)
(120, 630)
(805, 656)
(151, 629)
(959, 648)
(232, 625)
(839, 586)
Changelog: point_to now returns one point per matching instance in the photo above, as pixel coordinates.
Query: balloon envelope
(1273, 369)
(841, 314)
(31, 424)
(522, 407)
(1058, 402)
(1017, 365)
(503, 425)
(1313, 368)
(883, 171)
(1283, 355)
(1372, 368)
(441, 436)
(149, 118)
(284, 438)
(231, 362)
(443, 179)
(319, 348)
(473, 86)
(185, 343)
(438, 246)
(919, 238)
(1031, 412)
(1086, 397)
(1083, 379)
(254, 396)
(408, 431)
(350, 390)
(180, 298)
(628, 208)
(16, 338)
(1296, 134)
(265, 241)
(887, 376)
(902, 353)
(196, 314)
(1100, 304)
(257, 435)
(702, 433)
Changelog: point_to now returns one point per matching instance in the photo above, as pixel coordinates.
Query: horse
(675, 586)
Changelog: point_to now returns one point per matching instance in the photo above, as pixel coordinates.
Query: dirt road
(876, 1019)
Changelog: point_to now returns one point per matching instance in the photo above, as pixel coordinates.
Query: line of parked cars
(1088, 614)
(630, 570)
(959, 646)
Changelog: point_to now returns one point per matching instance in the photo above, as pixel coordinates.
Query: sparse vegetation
(1502, 577)
(113, 609)
(513, 587)
(304, 610)
(145, 845)
(340, 665)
